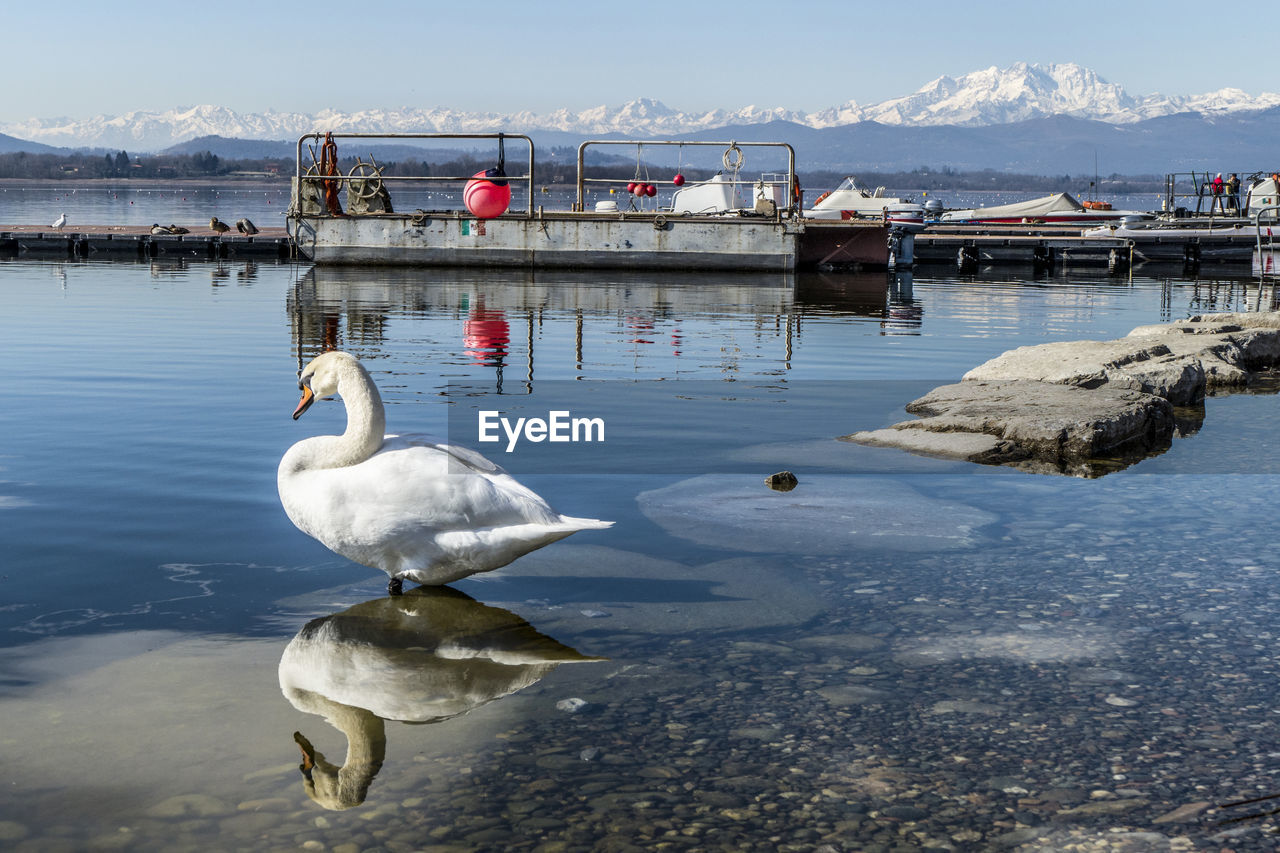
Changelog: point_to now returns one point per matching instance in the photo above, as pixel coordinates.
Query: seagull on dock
(60, 222)
(219, 226)
(244, 226)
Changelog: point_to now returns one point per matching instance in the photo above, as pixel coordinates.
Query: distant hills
(1031, 118)
(12, 145)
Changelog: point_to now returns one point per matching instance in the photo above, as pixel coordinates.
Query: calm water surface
(191, 203)
(901, 654)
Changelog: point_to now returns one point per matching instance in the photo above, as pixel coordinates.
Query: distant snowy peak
(1025, 91)
(991, 96)
(1000, 96)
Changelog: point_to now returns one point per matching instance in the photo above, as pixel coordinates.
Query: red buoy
(487, 195)
(631, 187)
(650, 190)
(678, 180)
(639, 190)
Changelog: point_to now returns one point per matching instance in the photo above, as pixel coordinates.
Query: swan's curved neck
(366, 743)
(366, 419)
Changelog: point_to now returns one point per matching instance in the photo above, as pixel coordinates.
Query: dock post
(1191, 255)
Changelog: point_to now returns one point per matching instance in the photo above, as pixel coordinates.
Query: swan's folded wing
(464, 456)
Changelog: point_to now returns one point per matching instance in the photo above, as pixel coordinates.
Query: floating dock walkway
(124, 242)
(820, 243)
(1048, 246)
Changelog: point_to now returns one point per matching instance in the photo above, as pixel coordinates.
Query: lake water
(265, 202)
(901, 654)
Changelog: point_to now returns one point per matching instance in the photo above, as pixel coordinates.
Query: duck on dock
(219, 226)
(244, 226)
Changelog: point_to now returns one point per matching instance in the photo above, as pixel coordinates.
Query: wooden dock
(124, 242)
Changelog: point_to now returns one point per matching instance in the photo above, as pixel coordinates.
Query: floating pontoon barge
(767, 233)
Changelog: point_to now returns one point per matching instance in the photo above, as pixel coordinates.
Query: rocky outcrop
(1144, 364)
(1086, 407)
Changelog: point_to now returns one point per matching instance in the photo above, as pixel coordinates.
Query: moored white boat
(850, 200)
(1058, 208)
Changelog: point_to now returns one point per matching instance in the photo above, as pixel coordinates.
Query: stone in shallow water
(1184, 813)
(191, 805)
(12, 830)
(1036, 425)
(825, 515)
(1137, 364)
(844, 695)
(1058, 407)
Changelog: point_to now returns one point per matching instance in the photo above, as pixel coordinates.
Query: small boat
(1059, 208)
(851, 201)
(1263, 198)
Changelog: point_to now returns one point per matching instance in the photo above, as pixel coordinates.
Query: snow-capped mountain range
(992, 96)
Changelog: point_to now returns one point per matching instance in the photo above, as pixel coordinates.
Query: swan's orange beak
(305, 403)
(308, 754)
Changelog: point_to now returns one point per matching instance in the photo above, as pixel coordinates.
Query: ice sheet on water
(824, 514)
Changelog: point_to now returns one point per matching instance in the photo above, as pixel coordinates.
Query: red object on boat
(487, 195)
(650, 190)
(678, 180)
(631, 187)
(639, 190)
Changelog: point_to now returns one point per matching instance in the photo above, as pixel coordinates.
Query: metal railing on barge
(733, 160)
(369, 178)
(320, 179)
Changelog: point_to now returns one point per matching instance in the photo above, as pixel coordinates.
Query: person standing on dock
(1233, 193)
(1216, 188)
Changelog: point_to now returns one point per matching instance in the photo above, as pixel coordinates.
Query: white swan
(423, 657)
(414, 508)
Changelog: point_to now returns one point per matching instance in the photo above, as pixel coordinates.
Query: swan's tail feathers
(584, 523)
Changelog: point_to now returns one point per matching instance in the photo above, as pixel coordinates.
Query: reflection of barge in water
(770, 234)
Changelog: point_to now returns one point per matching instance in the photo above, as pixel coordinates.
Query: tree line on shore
(560, 167)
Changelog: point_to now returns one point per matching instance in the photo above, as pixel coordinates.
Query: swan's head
(320, 378)
(334, 788)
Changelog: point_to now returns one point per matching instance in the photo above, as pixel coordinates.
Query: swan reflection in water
(422, 657)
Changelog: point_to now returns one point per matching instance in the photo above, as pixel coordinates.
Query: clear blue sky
(80, 59)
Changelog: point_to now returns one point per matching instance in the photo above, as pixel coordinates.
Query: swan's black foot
(395, 586)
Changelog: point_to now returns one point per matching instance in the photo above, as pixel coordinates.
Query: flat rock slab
(1061, 407)
(1009, 422)
(1230, 346)
(1139, 364)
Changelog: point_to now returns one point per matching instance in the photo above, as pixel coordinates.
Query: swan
(416, 509)
(427, 656)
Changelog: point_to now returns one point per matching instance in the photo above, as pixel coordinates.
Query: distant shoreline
(151, 182)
